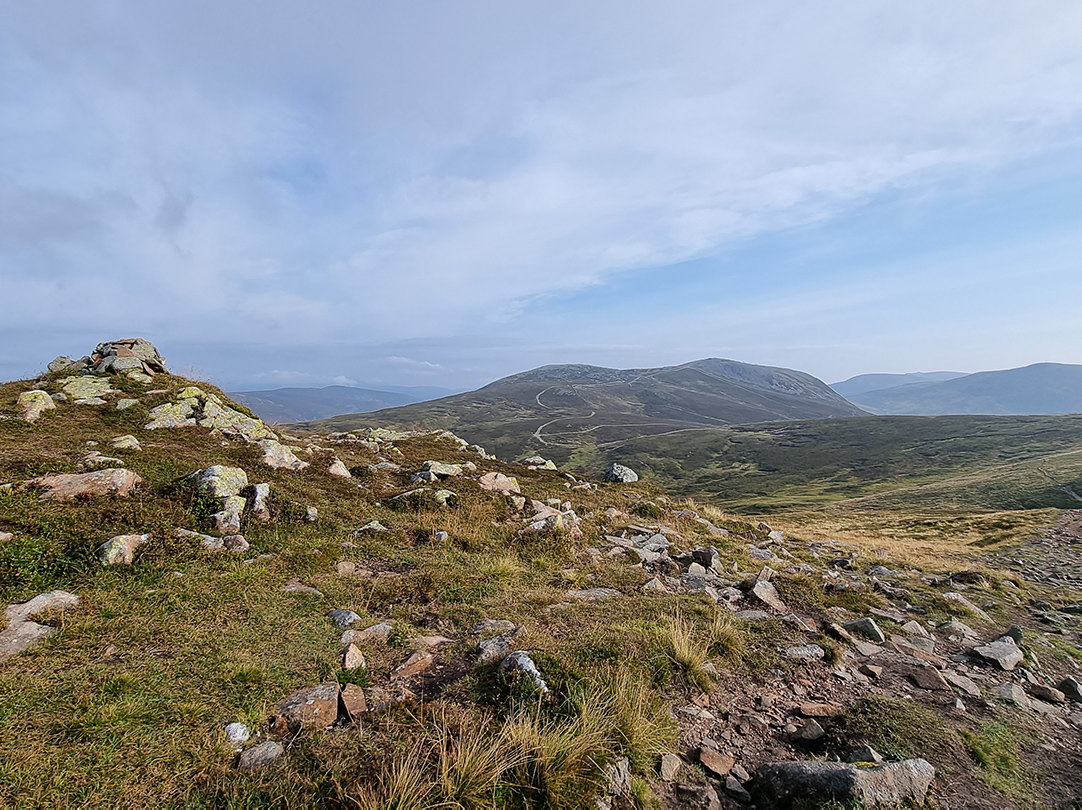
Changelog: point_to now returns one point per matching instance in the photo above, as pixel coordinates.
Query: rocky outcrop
(68, 486)
(116, 357)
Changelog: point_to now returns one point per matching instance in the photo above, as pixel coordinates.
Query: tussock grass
(689, 649)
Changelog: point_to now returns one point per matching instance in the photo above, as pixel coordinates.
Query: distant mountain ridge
(1038, 389)
(863, 383)
(564, 410)
(286, 405)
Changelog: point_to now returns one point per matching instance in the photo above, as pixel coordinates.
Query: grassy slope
(504, 417)
(124, 705)
(963, 462)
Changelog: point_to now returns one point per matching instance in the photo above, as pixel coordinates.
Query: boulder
(618, 473)
(67, 487)
(441, 469)
(1012, 693)
(120, 550)
(33, 404)
(784, 784)
(670, 766)
(217, 415)
(61, 363)
(314, 706)
(715, 762)
(958, 599)
(497, 482)
(1071, 689)
(353, 701)
(353, 658)
(220, 481)
(279, 457)
(417, 663)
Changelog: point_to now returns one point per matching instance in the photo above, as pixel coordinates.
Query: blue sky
(432, 193)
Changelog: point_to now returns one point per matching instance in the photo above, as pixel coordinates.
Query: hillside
(863, 383)
(1042, 388)
(203, 611)
(972, 463)
(555, 410)
(285, 405)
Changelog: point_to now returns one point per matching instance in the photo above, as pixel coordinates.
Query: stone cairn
(116, 356)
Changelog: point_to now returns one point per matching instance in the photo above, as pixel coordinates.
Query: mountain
(863, 383)
(564, 410)
(1043, 388)
(283, 405)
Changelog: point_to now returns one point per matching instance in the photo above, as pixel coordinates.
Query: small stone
(736, 790)
(67, 487)
(766, 593)
(959, 681)
(1071, 689)
(871, 670)
(235, 543)
(417, 663)
(520, 661)
(670, 766)
(811, 731)
(497, 482)
(867, 628)
(492, 625)
(120, 550)
(338, 469)
(260, 756)
(865, 754)
(495, 648)
(352, 658)
(34, 403)
(807, 652)
(295, 586)
(124, 404)
(1012, 693)
(820, 709)
(126, 442)
(353, 701)
(929, 678)
(343, 618)
(377, 632)
(1047, 693)
(237, 733)
(1003, 653)
(716, 762)
(315, 706)
(311, 514)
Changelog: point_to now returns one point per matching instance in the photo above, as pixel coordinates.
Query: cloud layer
(355, 176)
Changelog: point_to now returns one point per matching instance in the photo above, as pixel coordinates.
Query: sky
(440, 194)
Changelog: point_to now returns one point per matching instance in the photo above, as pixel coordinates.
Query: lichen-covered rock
(1002, 653)
(87, 387)
(520, 662)
(279, 457)
(220, 481)
(230, 421)
(442, 469)
(120, 550)
(260, 502)
(34, 403)
(172, 415)
(68, 486)
(52, 600)
(126, 443)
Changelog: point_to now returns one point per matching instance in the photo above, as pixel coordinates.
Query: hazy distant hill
(562, 410)
(1043, 388)
(863, 383)
(301, 404)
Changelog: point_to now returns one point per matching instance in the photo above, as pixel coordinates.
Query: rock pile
(116, 357)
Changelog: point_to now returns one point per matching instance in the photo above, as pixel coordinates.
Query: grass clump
(689, 650)
(995, 750)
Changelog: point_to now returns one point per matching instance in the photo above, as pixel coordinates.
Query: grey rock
(806, 652)
(766, 593)
(867, 628)
(495, 648)
(124, 404)
(491, 626)
(1002, 653)
(260, 756)
(670, 766)
(865, 754)
(1012, 693)
(1071, 688)
(783, 784)
(343, 618)
(618, 473)
(237, 733)
(520, 662)
(736, 790)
